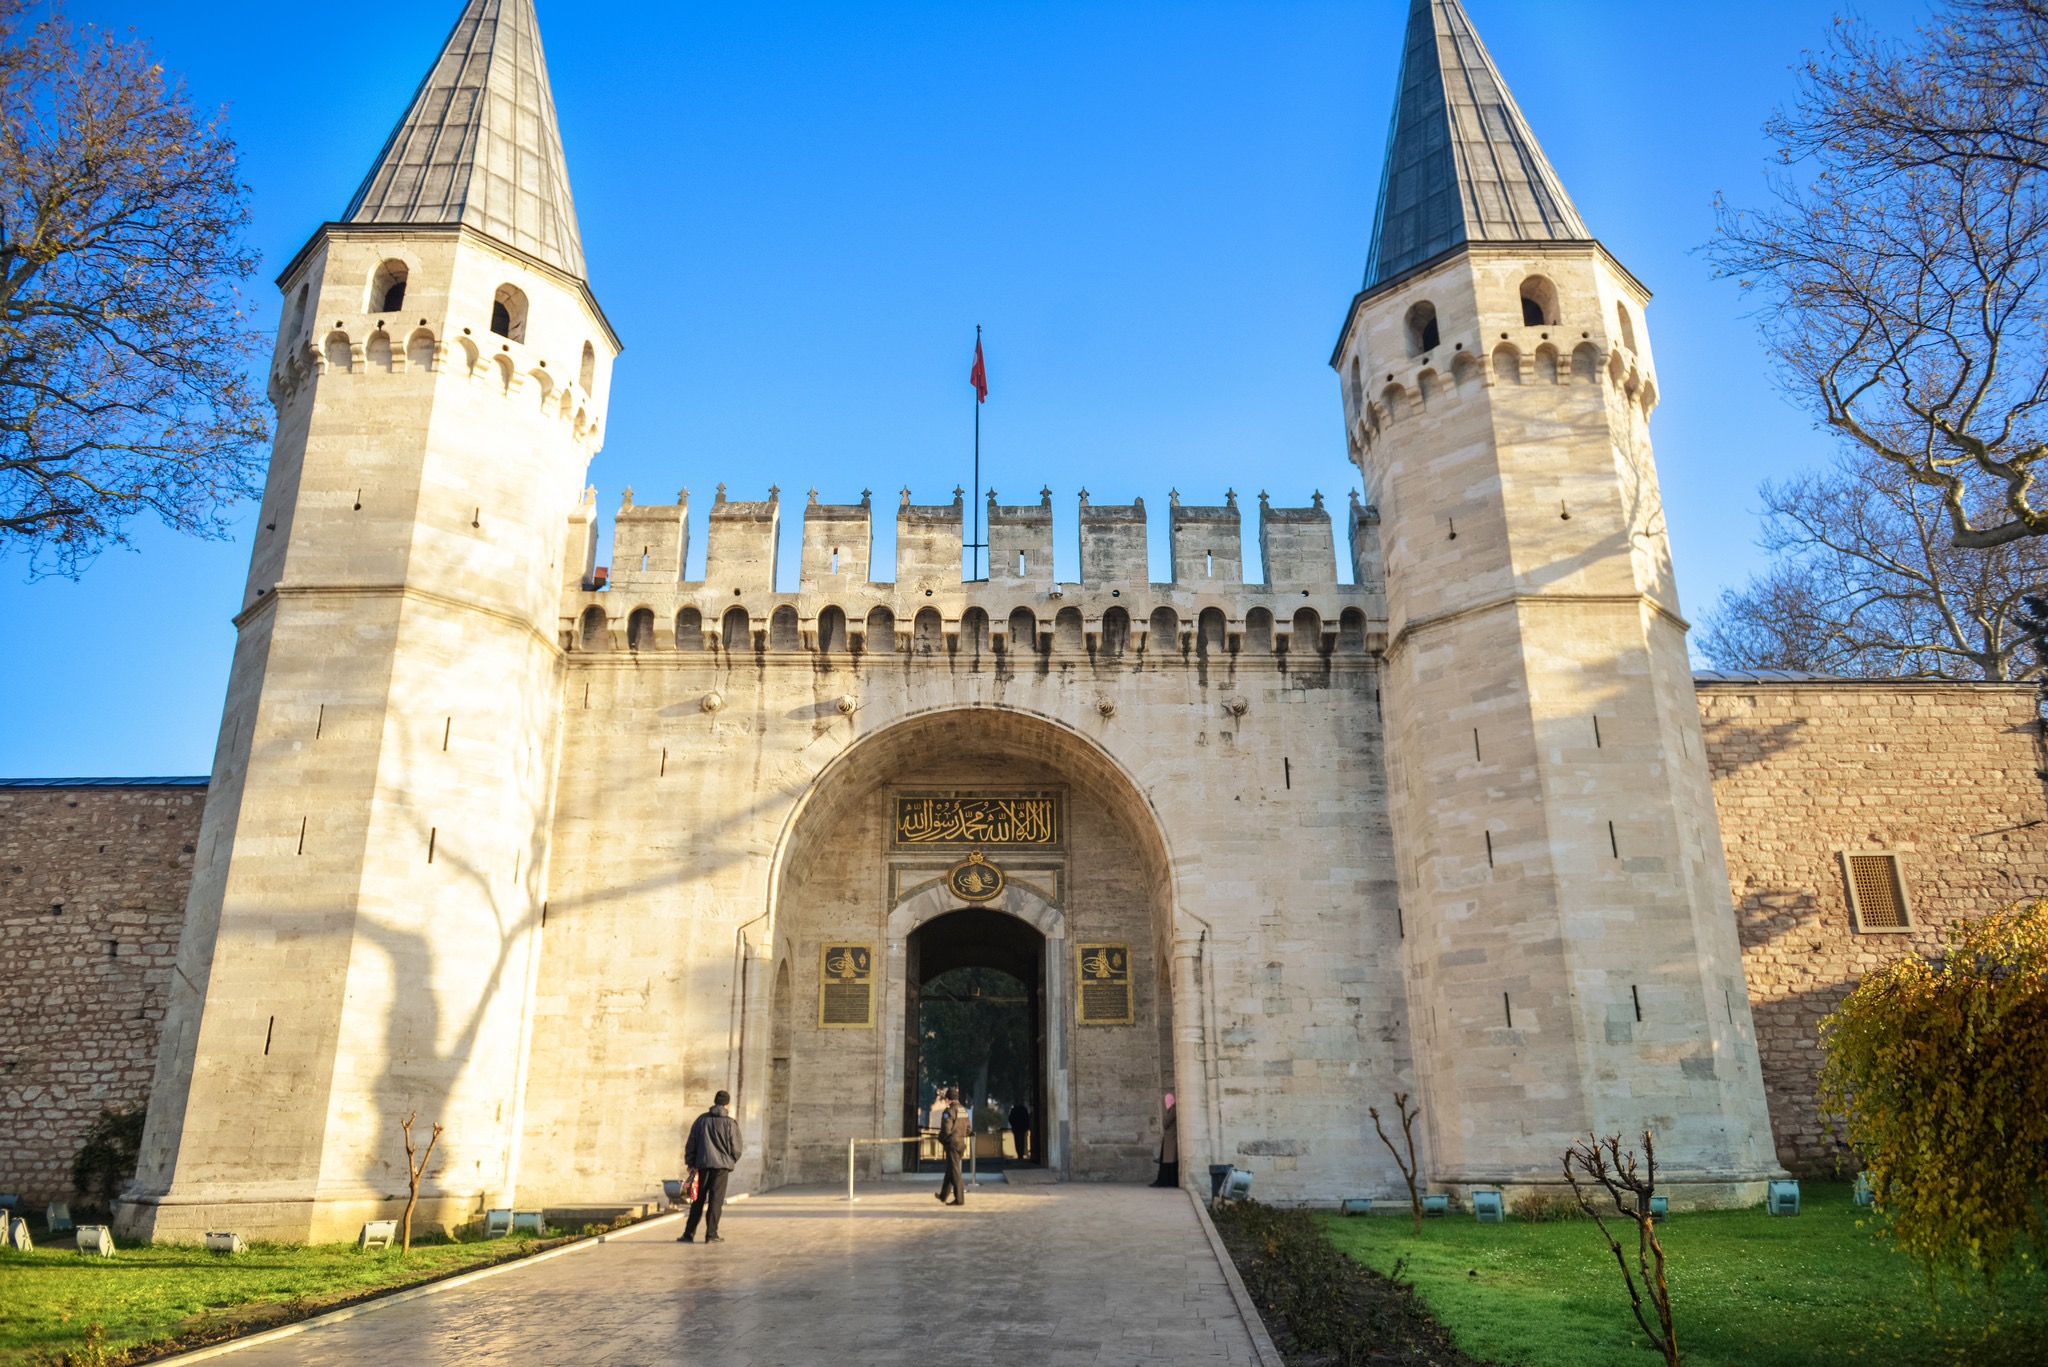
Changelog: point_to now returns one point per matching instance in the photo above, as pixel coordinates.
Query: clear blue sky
(795, 214)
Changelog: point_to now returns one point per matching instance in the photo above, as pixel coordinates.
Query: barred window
(1877, 892)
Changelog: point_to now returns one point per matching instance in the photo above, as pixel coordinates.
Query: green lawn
(1746, 1287)
(51, 1298)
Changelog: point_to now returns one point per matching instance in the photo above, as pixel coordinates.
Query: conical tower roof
(1462, 164)
(479, 144)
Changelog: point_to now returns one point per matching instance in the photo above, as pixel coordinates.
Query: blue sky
(795, 215)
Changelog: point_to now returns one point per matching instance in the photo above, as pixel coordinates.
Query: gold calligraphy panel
(846, 998)
(977, 821)
(1103, 985)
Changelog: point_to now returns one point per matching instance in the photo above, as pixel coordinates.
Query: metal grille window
(1877, 892)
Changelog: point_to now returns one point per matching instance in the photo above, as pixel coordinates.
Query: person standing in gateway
(713, 1150)
(956, 1131)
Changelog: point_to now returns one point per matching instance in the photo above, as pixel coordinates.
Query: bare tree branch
(123, 338)
(1898, 274)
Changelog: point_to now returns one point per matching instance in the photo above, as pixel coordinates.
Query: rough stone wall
(84, 997)
(1943, 774)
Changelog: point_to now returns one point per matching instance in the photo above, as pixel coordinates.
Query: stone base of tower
(1685, 1193)
(179, 1219)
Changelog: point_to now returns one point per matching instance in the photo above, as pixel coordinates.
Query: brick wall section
(1944, 774)
(83, 1004)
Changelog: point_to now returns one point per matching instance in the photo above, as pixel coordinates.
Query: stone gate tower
(1572, 962)
(363, 926)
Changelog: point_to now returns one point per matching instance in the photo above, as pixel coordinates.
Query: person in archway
(956, 1132)
(1169, 1147)
(1020, 1128)
(713, 1150)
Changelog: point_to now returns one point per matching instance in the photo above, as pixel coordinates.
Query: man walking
(712, 1152)
(956, 1131)
(1020, 1129)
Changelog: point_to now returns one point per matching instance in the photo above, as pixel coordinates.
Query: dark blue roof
(1462, 164)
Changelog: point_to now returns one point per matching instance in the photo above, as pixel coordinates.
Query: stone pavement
(1067, 1276)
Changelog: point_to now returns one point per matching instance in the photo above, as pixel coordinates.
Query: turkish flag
(978, 377)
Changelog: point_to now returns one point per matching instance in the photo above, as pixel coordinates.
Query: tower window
(1539, 302)
(587, 376)
(1877, 893)
(387, 287)
(1422, 329)
(1628, 327)
(508, 313)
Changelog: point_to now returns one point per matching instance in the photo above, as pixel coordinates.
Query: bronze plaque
(846, 998)
(974, 879)
(1103, 985)
(977, 821)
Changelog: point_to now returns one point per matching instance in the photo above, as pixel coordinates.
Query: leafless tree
(1866, 581)
(1409, 1167)
(123, 340)
(1604, 1166)
(414, 1171)
(1899, 271)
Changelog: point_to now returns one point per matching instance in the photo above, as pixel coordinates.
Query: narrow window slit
(433, 836)
(1596, 731)
(1475, 745)
(1489, 848)
(1637, 998)
(1507, 1009)
(269, 1031)
(1613, 842)
(664, 763)
(320, 722)
(302, 833)
(447, 730)
(1287, 770)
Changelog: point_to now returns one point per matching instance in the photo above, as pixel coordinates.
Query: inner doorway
(975, 1019)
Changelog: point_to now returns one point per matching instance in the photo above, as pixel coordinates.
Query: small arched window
(689, 629)
(299, 312)
(508, 313)
(587, 376)
(1351, 630)
(1258, 631)
(881, 633)
(1628, 327)
(640, 629)
(737, 634)
(1308, 633)
(1023, 632)
(1116, 631)
(783, 631)
(831, 631)
(1165, 632)
(928, 632)
(1067, 635)
(1539, 302)
(387, 288)
(1585, 362)
(974, 632)
(596, 635)
(1210, 635)
(1507, 365)
(1422, 331)
(1357, 386)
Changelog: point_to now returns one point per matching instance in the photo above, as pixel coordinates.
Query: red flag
(978, 377)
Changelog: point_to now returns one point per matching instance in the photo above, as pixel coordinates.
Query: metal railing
(853, 1145)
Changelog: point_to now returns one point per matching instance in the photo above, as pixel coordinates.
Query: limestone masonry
(548, 851)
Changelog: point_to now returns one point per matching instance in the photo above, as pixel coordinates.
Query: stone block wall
(92, 895)
(1945, 775)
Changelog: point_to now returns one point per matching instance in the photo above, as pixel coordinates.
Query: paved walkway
(1106, 1276)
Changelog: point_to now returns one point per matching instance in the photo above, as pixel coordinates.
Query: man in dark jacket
(712, 1152)
(1020, 1129)
(956, 1132)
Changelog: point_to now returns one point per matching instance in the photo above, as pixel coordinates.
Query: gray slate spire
(479, 144)
(1462, 165)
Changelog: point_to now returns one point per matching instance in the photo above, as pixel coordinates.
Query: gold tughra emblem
(974, 879)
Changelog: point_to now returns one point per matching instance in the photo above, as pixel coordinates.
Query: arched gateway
(974, 837)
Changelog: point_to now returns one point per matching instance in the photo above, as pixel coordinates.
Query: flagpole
(978, 547)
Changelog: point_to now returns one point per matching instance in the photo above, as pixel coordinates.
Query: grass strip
(1746, 1287)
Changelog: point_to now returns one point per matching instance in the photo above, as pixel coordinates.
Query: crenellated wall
(837, 606)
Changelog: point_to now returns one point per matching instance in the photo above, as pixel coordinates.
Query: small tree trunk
(413, 1173)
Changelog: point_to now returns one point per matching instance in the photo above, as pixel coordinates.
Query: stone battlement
(644, 602)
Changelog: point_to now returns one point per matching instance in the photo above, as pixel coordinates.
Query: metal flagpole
(977, 543)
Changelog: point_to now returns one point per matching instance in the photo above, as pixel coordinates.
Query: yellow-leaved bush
(1938, 1074)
